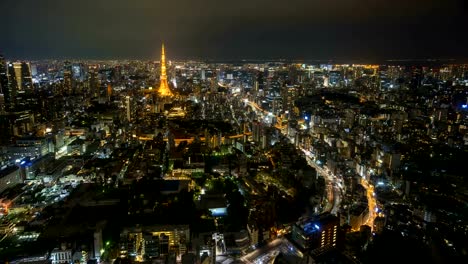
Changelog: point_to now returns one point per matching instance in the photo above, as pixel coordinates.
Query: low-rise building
(9, 177)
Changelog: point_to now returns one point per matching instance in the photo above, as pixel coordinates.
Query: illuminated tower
(109, 91)
(127, 104)
(164, 90)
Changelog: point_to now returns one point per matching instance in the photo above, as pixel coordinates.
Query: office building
(4, 88)
(21, 73)
(157, 240)
(9, 177)
(316, 233)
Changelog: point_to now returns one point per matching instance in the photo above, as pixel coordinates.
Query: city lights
(233, 132)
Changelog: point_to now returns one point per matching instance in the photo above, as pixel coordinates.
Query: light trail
(371, 201)
(333, 189)
(279, 120)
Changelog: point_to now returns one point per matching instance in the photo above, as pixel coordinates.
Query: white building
(58, 256)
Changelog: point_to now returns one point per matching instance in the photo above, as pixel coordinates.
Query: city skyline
(303, 131)
(254, 162)
(302, 30)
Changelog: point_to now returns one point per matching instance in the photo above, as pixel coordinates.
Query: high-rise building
(128, 109)
(316, 233)
(33, 70)
(109, 91)
(19, 79)
(334, 78)
(22, 74)
(98, 244)
(258, 84)
(67, 77)
(93, 82)
(203, 74)
(4, 92)
(9, 177)
(11, 87)
(2, 101)
(164, 90)
(77, 72)
(151, 245)
(3, 72)
(16, 73)
(156, 240)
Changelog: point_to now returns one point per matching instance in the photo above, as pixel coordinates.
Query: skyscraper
(18, 79)
(16, 73)
(4, 82)
(127, 106)
(164, 90)
(67, 77)
(21, 71)
(11, 88)
(93, 81)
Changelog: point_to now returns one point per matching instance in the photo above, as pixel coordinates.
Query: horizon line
(246, 60)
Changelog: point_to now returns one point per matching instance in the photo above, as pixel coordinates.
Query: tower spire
(164, 86)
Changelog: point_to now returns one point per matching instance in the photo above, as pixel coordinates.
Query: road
(371, 201)
(259, 252)
(332, 182)
(268, 253)
(279, 121)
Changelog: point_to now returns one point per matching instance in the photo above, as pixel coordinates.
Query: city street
(372, 202)
(332, 183)
(267, 253)
(333, 187)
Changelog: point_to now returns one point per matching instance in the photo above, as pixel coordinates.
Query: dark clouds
(221, 29)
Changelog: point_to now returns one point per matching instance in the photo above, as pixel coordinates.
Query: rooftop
(8, 170)
(313, 224)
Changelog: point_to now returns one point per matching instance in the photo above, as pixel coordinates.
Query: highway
(332, 182)
(255, 106)
(268, 253)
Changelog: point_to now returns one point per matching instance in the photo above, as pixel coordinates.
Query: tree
(237, 212)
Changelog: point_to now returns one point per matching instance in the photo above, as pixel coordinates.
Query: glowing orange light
(164, 89)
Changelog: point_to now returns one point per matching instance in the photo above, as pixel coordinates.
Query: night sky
(355, 30)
